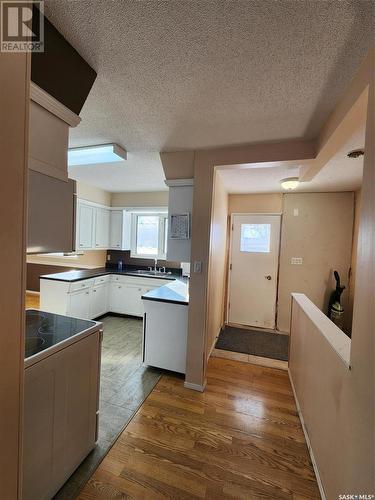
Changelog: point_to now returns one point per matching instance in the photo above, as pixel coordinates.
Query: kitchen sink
(153, 273)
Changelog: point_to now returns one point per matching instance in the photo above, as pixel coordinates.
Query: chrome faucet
(156, 263)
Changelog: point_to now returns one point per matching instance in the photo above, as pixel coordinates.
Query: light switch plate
(108, 257)
(197, 266)
(296, 261)
(296, 212)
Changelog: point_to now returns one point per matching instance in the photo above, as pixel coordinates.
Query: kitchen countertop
(176, 292)
(44, 331)
(84, 274)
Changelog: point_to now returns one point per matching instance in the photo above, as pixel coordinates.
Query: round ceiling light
(289, 183)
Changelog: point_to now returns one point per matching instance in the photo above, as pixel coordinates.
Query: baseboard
(249, 358)
(32, 292)
(309, 447)
(195, 387)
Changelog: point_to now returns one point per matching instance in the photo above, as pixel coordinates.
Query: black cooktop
(44, 330)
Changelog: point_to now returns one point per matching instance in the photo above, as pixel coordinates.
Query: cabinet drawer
(79, 285)
(101, 279)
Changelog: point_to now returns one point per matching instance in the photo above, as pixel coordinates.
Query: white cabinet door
(85, 226)
(102, 228)
(99, 300)
(133, 301)
(60, 416)
(116, 298)
(79, 304)
(115, 234)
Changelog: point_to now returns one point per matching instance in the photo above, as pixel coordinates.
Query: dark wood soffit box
(61, 71)
(34, 271)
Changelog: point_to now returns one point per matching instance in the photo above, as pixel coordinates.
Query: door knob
(268, 277)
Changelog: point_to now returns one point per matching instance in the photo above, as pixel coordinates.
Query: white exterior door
(253, 270)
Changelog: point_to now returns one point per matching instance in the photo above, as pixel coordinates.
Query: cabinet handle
(81, 244)
(87, 293)
(120, 287)
(94, 290)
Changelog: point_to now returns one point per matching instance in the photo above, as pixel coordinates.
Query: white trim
(32, 292)
(256, 213)
(336, 338)
(309, 447)
(161, 235)
(179, 182)
(52, 105)
(250, 359)
(195, 387)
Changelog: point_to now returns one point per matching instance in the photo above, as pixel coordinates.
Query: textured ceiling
(188, 74)
(339, 174)
(141, 171)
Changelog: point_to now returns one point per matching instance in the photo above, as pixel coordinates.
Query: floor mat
(255, 342)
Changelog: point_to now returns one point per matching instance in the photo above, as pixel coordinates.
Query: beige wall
(92, 193)
(205, 163)
(147, 199)
(338, 404)
(256, 203)
(218, 261)
(14, 104)
(322, 235)
(353, 265)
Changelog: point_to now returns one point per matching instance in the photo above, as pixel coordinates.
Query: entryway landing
(263, 347)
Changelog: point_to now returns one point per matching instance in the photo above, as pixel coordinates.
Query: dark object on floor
(255, 342)
(335, 309)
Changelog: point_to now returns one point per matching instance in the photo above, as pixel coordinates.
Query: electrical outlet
(108, 257)
(197, 266)
(296, 261)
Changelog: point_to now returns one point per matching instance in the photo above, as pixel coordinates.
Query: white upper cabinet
(102, 228)
(85, 226)
(92, 226)
(120, 230)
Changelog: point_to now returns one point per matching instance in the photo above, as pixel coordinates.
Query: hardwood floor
(32, 301)
(241, 438)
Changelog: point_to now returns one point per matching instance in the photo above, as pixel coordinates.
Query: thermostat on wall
(180, 227)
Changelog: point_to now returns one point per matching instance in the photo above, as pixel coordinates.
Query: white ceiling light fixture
(89, 155)
(289, 183)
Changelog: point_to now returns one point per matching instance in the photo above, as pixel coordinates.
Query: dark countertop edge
(168, 301)
(169, 277)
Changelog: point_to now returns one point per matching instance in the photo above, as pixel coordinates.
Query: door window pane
(147, 234)
(255, 238)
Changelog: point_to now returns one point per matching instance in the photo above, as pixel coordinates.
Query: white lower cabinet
(116, 298)
(79, 304)
(89, 299)
(165, 335)
(99, 300)
(60, 416)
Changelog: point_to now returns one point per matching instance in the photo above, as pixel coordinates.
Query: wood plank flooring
(32, 301)
(241, 438)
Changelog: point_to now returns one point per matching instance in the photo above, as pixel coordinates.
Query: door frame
(228, 281)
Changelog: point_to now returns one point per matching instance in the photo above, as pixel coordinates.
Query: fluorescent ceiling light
(289, 183)
(105, 153)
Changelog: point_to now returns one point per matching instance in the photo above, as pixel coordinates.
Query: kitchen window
(149, 235)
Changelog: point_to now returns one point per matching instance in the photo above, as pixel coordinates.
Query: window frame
(163, 217)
